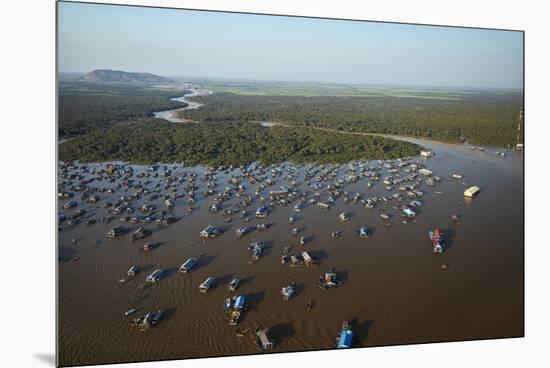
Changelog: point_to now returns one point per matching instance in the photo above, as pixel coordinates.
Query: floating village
(131, 202)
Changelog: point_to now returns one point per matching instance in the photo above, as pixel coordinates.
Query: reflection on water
(395, 289)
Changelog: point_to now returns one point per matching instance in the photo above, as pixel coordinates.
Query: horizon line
(370, 84)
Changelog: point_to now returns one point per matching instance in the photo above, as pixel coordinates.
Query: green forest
(488, 118)
(225, 143)
(84, 107)
(114, 122)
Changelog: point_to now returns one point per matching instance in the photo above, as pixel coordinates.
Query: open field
(310, 89)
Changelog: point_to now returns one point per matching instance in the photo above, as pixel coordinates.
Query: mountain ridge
(119, 76)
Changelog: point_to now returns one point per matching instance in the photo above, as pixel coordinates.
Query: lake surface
(395, 290)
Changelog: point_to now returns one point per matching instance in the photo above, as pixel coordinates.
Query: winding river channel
(170, 115)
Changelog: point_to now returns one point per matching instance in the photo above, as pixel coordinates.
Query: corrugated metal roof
(346, 336)
(239, 302)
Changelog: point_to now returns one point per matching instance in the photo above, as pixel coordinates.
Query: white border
(27, 185)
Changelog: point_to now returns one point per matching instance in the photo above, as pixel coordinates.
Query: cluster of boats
(142, 198)
(298, 259)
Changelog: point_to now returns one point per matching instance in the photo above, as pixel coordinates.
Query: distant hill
(117, 76)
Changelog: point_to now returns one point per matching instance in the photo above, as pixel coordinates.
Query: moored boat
(437, 240)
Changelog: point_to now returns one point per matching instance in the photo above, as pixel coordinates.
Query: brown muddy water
(395, 290)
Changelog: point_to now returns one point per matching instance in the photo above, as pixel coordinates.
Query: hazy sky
(223, 45)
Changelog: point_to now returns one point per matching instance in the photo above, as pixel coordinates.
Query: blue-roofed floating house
(345, 339)
(239, 303)
(262, 212)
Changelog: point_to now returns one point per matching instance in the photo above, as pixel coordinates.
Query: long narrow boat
(437, 240)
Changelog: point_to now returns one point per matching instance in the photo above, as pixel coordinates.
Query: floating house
(261, 212)
(344, 216)
(323, 205)
(345, 338)
(149, 320)
(288, 291)
(234, 307)
(207, 284)
(243, 231)
(308, 260)
(141, 233)
(298, 207)
(188, 265)
(437, 240)
(155, 276)
(116, 231)
(132, 271)
(279, 193)
(210, 232)
(407, 212)
(234, 284)
(256, 249)
(471, 192)
(265, 341)
(425, 172)
(364, 232)
(148, 247)
(329, 280)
